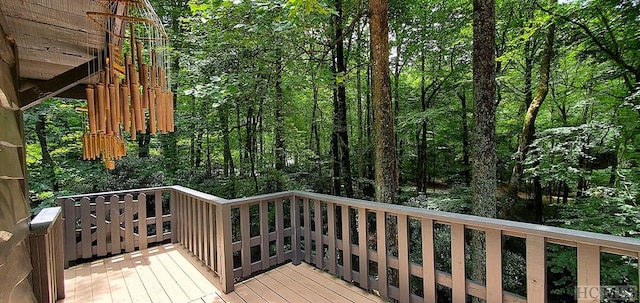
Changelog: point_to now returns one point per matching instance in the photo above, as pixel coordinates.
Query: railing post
(174, 216)
(295, 230)
(225, 248)
(47, 261)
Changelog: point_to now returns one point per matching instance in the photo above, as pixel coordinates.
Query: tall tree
(339, 138)
(49, 165)
(386, 166)
(279, 129)
(484, 181)
(528, 129)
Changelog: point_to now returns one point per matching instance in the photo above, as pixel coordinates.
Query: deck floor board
(169, 273)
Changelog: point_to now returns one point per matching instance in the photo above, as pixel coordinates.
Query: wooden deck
(169, 273)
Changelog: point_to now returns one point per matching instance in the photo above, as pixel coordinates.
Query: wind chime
(132, 93)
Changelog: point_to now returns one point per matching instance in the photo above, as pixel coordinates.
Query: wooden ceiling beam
(56, 85)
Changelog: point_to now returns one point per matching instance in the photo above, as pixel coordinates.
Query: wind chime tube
(135, 101)
(110, 61)
(91, 107)
(154, 69)
(114, 108)
(92, 143)
(95, 147)
(144, 76)
(101, 148)
(132, 43)
(102, 126)
(126, 110)
(90, 147)
(144, 102)
(84, 147)
(141, 71)
(161, 109)
(118, 104)
(107, 106)
(137, 108)
(152, 110)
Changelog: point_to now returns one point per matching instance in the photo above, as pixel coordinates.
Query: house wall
(15, 262)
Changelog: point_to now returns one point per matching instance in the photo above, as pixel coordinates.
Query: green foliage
(606, 211)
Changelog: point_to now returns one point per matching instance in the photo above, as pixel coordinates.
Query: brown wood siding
(14, 207)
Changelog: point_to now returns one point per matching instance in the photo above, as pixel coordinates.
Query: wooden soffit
(57, 44)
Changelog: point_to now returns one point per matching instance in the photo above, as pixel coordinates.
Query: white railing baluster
(142, 221)
(331, 233)
(428, 261)
(317, 215)
(114, 208)
(494, 265)
(588, 273)
(458, 272)
(381, 230)
(159, 223)
(264, 234)
(101, 232)
(128, 222)
(403, 257)
(536, 269)
(346, 243)
(295, 229)
(172, 210)
(70, 242)
(307, 230)
(245, 238)
(363, 248)
(279, 230)
(85, 227)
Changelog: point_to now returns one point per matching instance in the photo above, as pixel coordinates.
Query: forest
(277, 95)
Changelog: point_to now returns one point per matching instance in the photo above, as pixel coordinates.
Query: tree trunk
(335, 148)
(465, 138)
(47, 161)
(386, 169)
(484, 181)
(528, 129)
(143, 145)
(422, 145)
(229, 168)
(340, 138)
(360, 153)
(198, 150)
(279, 128)
(208, 163)
(396, 98)
(484, 154)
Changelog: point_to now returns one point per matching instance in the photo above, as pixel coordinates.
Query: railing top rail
(117, 192)
(45, 218)
(569, 235)
(200, 195)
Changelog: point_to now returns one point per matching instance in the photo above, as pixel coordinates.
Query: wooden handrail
(238, 238)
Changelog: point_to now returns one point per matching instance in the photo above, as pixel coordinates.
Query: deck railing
(45, 241)
(348, 237)
(112, 222)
